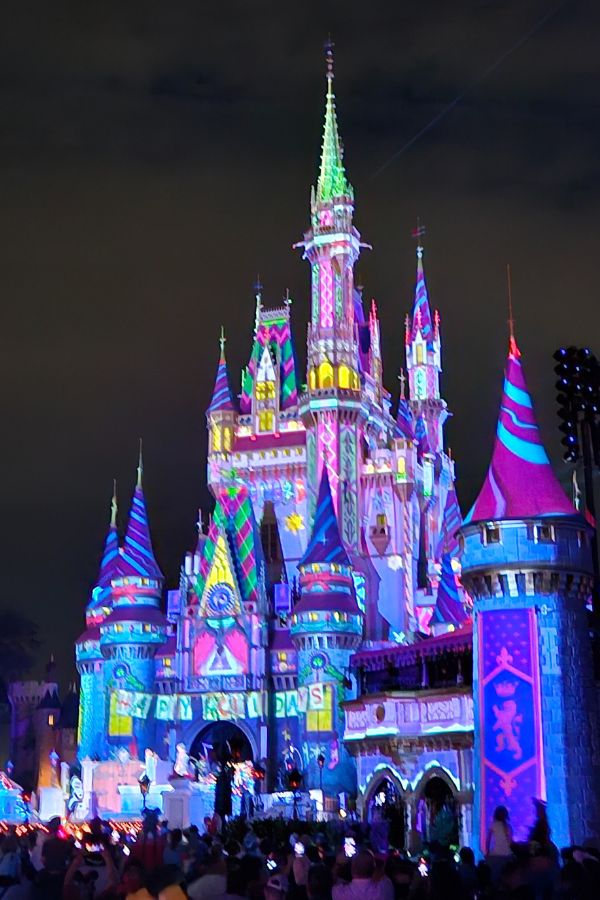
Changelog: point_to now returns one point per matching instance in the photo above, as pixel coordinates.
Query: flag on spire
(421, 318)
(222, 398)
(449, 608)
(137, 557)
(520, 483)
(332, 180)
(110, 556)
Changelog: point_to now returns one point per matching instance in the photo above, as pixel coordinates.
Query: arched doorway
(225, 758)
(386, 814)
(437, 813)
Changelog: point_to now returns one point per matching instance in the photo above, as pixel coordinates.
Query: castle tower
(527, 565)
(326, 628)
(221, 418)
(131, 633)
(90, 663)
(331, 409)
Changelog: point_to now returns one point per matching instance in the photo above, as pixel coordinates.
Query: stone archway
(227, 752)
(384, 807)
(437, 808)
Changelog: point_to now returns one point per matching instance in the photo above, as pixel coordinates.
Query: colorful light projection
(511, 758)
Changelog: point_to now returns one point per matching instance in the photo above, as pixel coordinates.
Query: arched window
(325, 375)
(312, 379)
(344, 377)
(419, 354)
(216, 439)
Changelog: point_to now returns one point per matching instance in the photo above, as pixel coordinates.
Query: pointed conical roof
(520, 483)
(451, 522)
(325, 545)
(110, 556)
(421, 317)
(222, 398)
(449, 609)
(422, 436)
(332, 181)
(137, 557)
(405, 424)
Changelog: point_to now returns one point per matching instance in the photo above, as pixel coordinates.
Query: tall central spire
(332, 180)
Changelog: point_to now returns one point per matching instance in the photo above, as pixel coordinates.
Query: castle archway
(385, 809)
(437, 810)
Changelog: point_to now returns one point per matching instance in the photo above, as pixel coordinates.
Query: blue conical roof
(325, 545)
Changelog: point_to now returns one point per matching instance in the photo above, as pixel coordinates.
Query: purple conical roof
(451, 522)
(421, 317)
(325, 545)
(449, 609)
(222, 398)
(520, 483)
(405, 426)
(137, 557)
(422, 436)
(110, 556)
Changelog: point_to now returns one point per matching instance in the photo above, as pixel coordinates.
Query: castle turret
(221, 413)
(527, 566)
(326, 628)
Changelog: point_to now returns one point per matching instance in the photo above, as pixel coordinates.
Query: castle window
(491, 534)
(419, 354)
(325, 375)
(265, 420)
(543, 534)
(51, 719)
(381, 525)
(321, 719)
(216, 439)
(344, 377)
(265, 390)
(312, 379)
(119, 725)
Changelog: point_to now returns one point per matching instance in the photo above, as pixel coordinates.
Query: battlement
(29, 693)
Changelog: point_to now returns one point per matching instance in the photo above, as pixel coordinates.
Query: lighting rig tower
(578, 401)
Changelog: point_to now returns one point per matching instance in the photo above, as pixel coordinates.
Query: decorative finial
(222, 340)
(402, 380)
(200, 522)
(287, 300)
(258, 287)
(258, 292)
(512, 343)
(113, 506)
(418, 234)
(140, 468)
(329, 47)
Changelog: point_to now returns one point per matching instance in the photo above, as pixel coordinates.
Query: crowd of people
(287, 860)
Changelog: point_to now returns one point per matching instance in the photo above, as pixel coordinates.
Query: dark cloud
(154, 157)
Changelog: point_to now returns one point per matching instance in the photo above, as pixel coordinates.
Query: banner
(165, 707)
(254, 705)
(223, 706)
(140, 707)
(124, 703)
(316, 697)
(184, 710)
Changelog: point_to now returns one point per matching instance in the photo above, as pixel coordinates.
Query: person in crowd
(174, 850)
(133, 884)
(467, 872)
(499, 842)
(319, 883)
(92, 873)
(364, 885)
(214, 880)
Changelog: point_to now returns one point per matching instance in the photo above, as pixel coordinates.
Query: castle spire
(421, 318)
(520, 482)
(449, 608)
(140, 468)
(222, 398)
(137, 557)
(110, 555)
(332, 180)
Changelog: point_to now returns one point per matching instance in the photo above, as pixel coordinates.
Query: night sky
(154, 157)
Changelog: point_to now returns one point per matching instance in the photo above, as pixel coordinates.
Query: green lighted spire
(332, 177)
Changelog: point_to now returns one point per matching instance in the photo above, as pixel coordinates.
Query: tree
(18, 645)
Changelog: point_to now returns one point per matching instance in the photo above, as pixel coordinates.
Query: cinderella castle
(321, 626)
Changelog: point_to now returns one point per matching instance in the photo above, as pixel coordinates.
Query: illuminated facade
(320, 623)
